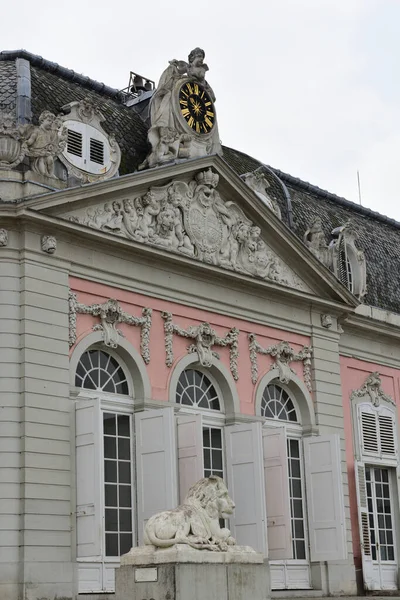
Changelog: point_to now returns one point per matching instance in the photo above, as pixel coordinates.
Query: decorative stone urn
(12, 144)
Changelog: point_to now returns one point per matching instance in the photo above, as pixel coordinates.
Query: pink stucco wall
(354, 373)
(159, 374)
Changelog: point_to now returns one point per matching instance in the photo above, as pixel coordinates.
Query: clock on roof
(183, 121)
(196, 107)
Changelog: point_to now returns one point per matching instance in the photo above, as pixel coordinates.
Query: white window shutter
(155, 463)
(190, 452)
(325, 501)
(245, 474)
(363, 522)
(88, 478)
(276, 478)
(387, 438)
(369, 430)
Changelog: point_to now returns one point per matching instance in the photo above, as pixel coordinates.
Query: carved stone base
(182, 573)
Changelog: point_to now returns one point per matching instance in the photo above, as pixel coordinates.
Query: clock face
(196, 107)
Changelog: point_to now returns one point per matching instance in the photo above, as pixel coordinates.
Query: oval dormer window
(87, 148)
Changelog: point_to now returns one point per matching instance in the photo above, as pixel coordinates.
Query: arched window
(98, 370)
(195, 389)
(104, 438)
(277, 404)
(200, 397)
(283, 466)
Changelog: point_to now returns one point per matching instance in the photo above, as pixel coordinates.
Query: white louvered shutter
(369, 430)
(325, 501)
(363, 522)
(190, 452)
(155, 464)
(377, 429)
(75, 150)
(276, 479)
(88, 478)
(386, 426)
(245, 474)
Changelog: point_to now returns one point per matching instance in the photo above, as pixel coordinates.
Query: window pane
(110, 495)
(296, 488)
(207, 459)
(206, 437)
(216, 438)
(300, 550)
(217, 460)
(109, 424)
(104, 377)
(88, 383)
(298, 528)
(111, 544)
(125, 542)
(110, 447)
(390, 553)
(124, 470)
(124, 449)
(294, 448)
(110, 471)
(124, 425)
(125, 520)
(111, 519)
(295, 465)
(298, 509)
(125, 496)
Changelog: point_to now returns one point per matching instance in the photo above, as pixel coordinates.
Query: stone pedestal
(183, 573)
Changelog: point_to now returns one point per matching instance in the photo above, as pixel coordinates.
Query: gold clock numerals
(196, 107)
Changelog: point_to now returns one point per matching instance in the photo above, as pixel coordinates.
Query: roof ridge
(68, 74)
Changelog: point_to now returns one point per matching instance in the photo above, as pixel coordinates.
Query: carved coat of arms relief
(192, 218)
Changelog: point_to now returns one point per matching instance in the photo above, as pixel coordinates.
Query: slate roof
(8, 86)
(53, 86)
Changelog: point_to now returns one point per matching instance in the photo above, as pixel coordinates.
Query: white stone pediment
(204, 212)
(194, 219)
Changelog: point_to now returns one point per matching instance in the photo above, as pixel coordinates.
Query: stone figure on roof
(314, 239)
(183, 123)
(45, 143)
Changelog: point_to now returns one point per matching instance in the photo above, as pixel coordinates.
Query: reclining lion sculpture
(196, 521)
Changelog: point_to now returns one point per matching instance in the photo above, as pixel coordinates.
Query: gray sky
(311, 87)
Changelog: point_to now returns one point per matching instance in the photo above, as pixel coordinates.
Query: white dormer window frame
(349, 263)
(87, 148)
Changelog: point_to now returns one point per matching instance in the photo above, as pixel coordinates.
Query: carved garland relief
(283, 355)
(192, 219)
(111, 314)
(204, 338)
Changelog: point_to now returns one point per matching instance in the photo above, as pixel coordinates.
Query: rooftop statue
(196, 521)
(182, 113)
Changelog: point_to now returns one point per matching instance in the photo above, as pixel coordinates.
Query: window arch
(195, 389)
(98, 370)
(276, 403)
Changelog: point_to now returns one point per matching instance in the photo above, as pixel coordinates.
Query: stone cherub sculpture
(45, 142)
(168, 137)
(314, 239)
(196, 522)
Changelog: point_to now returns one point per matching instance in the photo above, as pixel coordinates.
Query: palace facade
(172, 309)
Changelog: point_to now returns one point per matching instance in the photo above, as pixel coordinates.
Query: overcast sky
(311, 87)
